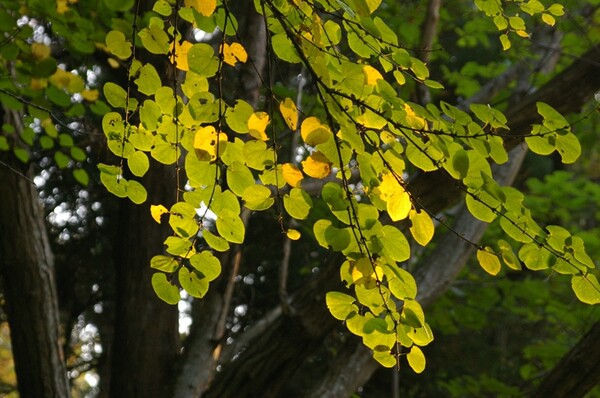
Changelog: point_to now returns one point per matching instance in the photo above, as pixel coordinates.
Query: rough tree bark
(146, 339)
(27, 271)
(577, 372)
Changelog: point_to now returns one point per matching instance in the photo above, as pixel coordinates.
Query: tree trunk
(577, 372)
(27, 269)
(146, 339)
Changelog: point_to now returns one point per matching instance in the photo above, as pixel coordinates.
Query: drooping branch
(255, 378)
(567, 92)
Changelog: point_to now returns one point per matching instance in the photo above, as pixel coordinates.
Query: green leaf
(394, 243)
(284, 48)
(164, 263)
(118, 44)
(239, 177)
(162, 7)
(488, 261)
(119, 5)
(340, 305)
(166, 291)
(400, 282)
(215, 242)
(421, 228)
(416, 359)
(62, 160)
(136, 192)
(182, 219)
(553, 119)
(193, 284)
(385, 359)
(297, 203)
(257, 197)
(568, 147)
(586, 288)
(202, 60)
(207, 264)
(535, 258)
(138, 163)
(230, 226)
(478, 209)
(509, 257)
(178, 246)
(149, 80)
(329, 236)
(238, 115)
(81, 176)
(505, 41)
(115, 95)
(155, 39)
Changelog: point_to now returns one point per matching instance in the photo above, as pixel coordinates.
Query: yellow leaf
(292, 175)
(157, 211)
(61, 6)
(488, 260)
(548, 19)
(113, 63)
(204, 7)
(371, 75)
(522, 33)
(416, 359)
(290, 113)
(422, 227)
(61, 78)
(313, 132)
(413, 120)
(397, 200)
(234, 52)
(292, 234)
(38, 84)
(257, 124)
(364, 273)
(90, 95)
(317, 165)
(40, 51)
(205, 143)
(180, 56)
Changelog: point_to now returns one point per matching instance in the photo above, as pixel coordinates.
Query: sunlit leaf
(257, 197)
(230, 226)
(313, 132)
(118, 45)
(234, 53)
(192, 282)
(297, 203)
(215, 242)
(292, 174)
(180, 57)
(488, 261)
(207, 264)
(257, 125)
(204, 7)
(586, 288)
(290, 113)
(293, 234)
(421, 226)
(166, 291)
(416, 359)
(317, 165)
(157, 211)
(340, 305)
